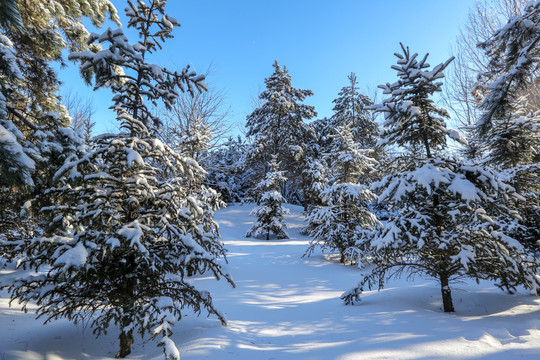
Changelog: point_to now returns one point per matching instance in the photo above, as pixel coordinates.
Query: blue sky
(320, 42)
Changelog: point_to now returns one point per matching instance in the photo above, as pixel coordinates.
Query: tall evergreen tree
(277, 127)
(129, 222)
(453, 217)
(509, 126)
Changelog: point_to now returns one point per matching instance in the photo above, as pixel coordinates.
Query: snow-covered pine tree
(351, 107)
(513, 147)
(128, 222)
(452, 217)
(35, 141)
(315, 176)
(411, 118)
(195, 140)
(508, 127)
(269, 211)
(344, 211)
(277, 127)
(16, 165)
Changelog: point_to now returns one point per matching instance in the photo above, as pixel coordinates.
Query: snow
(9, 141)
(288, 307)
(133, 232)
(466, 189)
(457, 136)
(170, 349)
(134, 157)
(73, 257)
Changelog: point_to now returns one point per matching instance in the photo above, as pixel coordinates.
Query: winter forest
(406, 225)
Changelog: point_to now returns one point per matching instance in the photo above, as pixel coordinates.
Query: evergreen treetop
(411, 117)
(277, 126)
(352, 107)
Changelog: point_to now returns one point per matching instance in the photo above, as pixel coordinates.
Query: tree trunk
(342, 258)
(126, 339)
(268, 235)
(446, 294)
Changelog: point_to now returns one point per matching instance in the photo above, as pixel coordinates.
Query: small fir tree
(269, 211)
(345, 202)
(129, 220)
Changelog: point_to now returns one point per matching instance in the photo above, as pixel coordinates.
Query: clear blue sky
(320, 42)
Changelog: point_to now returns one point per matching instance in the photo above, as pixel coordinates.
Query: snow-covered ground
(288, 307)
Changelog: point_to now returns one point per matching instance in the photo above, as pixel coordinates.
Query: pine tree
(277, 127)
(35, 139)
(411, 117)
(269, 212)
(453, 217)
(17, 166)
(345, 202)
(129, 221)
(508, 127)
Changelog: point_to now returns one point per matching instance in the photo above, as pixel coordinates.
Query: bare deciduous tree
(197, 124)
(81, 111)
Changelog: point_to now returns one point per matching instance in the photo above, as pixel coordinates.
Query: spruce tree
(278, 127)
(453, 218)
(129, 220)
(345, 201)
(269, 211)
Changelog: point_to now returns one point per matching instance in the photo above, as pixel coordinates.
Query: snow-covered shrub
(269, 211)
